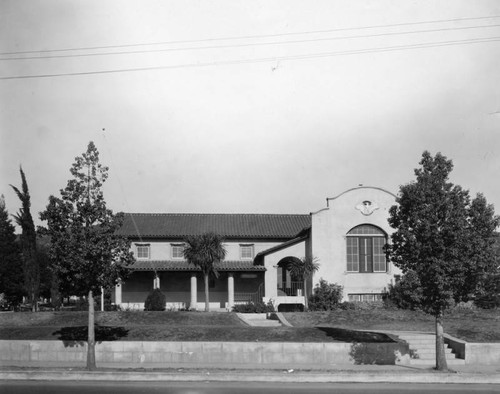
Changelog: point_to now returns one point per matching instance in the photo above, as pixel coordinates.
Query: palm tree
(203, 251)
(303, 270)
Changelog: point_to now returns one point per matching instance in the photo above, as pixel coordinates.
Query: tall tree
(31, 267)
(444, 238)
(303, 270)
(86, 253)
(203, 251)
(11, 268)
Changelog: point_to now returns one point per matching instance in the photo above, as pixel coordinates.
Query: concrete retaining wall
(475, 353)
(157, 354)
(482, 353)
(168, 353)
(142, 353)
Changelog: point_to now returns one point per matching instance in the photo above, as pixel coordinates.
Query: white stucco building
(346, 237)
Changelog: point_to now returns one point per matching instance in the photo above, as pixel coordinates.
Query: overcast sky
(287, 103)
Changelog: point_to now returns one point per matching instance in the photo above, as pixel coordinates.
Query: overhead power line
(255, 36)
(268, 59)
(251, 44)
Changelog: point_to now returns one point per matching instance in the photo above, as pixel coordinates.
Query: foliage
(489, 296)
(444, 237)
(203, 251)
(31, 269)
(155, 301)
(254, 307)
(303, 270)
(361, 306)
(85, 251)
(11, 273)
(326, 296)
(407, 292)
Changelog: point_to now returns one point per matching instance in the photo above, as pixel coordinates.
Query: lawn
(472, 325)
(149, 326)
(340, 325)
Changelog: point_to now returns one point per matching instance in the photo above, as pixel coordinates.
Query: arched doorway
(287, 284)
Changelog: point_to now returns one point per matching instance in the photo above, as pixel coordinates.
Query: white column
(194, 291)
(102, 299)
(118, 294)
(156, 281)
(230, 290)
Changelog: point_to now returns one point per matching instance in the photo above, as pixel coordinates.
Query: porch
(184, 286)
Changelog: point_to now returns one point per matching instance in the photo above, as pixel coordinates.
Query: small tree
(155, 301)
(326, 296)
(203, 251)
(303, 270)
(86, 253)
(11, 266)
(406, 293)
(444, 238)
(31, 267)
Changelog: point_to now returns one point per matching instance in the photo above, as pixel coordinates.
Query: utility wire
(255, 36)
(269, 59)
(251, 44)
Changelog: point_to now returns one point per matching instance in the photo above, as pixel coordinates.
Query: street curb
(253, 376)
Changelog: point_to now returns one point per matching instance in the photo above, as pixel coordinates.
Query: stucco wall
(328, 237)
(271, 261)
(162, 250)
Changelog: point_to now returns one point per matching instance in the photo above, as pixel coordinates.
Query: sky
(233, 106)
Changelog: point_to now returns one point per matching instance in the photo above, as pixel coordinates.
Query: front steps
(258, 320)
(423, 350)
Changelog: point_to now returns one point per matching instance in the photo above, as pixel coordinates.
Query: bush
(361, 305)
(407, 293)
(155, 301)
(326, 296)
(254, 307)
(489, 296)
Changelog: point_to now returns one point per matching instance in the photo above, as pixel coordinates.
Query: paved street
(22, 387)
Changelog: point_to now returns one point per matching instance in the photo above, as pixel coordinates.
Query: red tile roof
(178, 226)
(172, 265)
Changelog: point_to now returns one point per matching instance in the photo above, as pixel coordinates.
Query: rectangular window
(379, 264)
(143, 251)
(178, 251)
(246, 252)
(365, 297)
(365, 254)
(352, 254)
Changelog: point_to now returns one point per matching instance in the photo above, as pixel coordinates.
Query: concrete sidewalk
(255, 373)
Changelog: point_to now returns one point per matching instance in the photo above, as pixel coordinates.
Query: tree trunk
(441, 364)
(91, 366)
(207, 303)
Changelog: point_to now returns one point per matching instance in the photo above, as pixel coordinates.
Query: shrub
(361, 305)
(489, 296)
(155, 301)
(254, 307)
(326, 296)
(407, 293)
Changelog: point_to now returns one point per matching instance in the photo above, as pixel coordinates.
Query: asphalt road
(34, 387)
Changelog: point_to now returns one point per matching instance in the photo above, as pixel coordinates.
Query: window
(177, 251)
(365, 249)
(246, 252)
(365, 297)
(143, 251)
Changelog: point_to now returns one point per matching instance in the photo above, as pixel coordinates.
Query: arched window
(365, 249)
